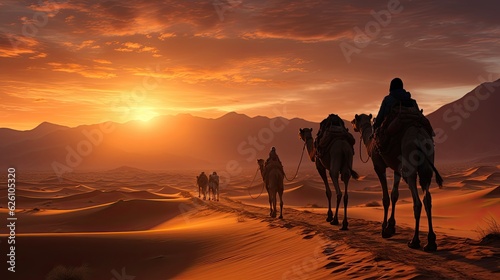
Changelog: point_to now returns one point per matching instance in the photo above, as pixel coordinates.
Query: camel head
(305, 133)
(261, 163)
(361, 121)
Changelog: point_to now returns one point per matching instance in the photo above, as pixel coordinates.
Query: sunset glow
(86, 62)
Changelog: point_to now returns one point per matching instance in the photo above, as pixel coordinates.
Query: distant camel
(362, 124)
(272, 174)
(213, 186)
(202, 182)
(337, 160)
(416, 158)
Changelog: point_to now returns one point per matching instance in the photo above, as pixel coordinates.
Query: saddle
(388, 137)
(331, 130)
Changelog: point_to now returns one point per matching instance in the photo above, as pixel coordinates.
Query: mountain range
(465, 129)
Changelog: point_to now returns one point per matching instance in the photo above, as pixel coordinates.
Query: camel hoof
(330, 216)
(344, 225)
(430, 247)
(391, 229)
(414, 244)
(281, 217)
(388, 232)
(334, 222)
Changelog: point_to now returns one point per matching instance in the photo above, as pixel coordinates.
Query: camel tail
(439, 179)
(355, 175)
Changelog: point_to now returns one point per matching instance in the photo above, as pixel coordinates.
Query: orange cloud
(83, 70)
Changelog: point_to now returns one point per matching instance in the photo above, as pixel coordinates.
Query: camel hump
(403, 117)
(202, 179)
(273, 164)
(332, 120)
(214, 178)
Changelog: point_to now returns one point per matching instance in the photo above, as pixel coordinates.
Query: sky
(85, 62)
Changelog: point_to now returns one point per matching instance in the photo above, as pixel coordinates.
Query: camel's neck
(366, 133)
(261, 167)
(310, 148)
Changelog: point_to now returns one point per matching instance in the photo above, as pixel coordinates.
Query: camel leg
(199, 191)
(322, 173)
(431, 237)
(217, 189)
(391, 226)
(346, 199)
(274, 204)
(335, 180)
(270, 203)
(417, 209)
(280, 192)
(385, 197)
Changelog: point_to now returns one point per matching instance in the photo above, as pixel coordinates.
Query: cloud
(85, 71)
(136, 47)
(246, 55)
(13, 46)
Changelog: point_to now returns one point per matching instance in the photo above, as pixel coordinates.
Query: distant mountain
(468, 128)
(9, 136)
(167, 142)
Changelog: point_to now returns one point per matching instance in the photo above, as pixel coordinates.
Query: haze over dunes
(153, 225)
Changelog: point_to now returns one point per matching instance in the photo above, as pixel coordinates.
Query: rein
(360, 142)
(297, 171)
(248, 189)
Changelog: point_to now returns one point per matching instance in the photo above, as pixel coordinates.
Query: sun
(143, 113)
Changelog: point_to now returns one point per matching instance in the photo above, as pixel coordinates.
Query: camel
(337, 160)
(362, 124)
(272, 174)
(202, 182)
(213, 187)
(416, 158)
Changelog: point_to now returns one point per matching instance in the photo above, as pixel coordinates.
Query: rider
(274, 160)
(396, 94)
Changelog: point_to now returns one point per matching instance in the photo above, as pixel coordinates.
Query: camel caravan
(399, 138)
(208, 185)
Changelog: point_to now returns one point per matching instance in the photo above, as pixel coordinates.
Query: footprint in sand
(340, 270)
(331, 265)
(328, 251)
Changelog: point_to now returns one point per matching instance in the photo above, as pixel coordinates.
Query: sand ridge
(157, 228)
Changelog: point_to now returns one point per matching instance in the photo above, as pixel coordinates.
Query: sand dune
(156, 228)
(493, 194)
(129, 215)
